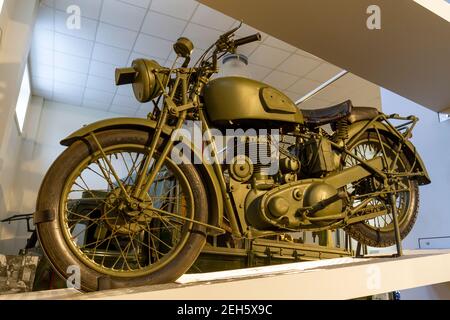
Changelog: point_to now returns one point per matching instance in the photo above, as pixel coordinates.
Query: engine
(262, 161)
(282, 186)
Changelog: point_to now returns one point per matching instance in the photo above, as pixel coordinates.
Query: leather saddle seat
(319, 117)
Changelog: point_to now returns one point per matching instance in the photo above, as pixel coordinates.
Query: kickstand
(398, 239)
(361, 250)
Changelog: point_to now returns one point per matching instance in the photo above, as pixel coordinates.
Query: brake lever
(226, 35)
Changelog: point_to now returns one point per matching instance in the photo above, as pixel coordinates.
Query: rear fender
(206, 171)
(408, 148)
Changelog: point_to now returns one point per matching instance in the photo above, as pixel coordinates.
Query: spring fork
(141, 192)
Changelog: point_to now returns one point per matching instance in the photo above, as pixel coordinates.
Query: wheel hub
(123, 217)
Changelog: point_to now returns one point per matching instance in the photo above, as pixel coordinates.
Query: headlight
(143, 77)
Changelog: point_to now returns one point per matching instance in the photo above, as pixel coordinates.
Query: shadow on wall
(431, 139)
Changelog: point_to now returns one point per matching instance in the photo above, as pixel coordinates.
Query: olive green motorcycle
(118, 205)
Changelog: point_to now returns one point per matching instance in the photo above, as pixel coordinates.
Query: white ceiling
(77, 66)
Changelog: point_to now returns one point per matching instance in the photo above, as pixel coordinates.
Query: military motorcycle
(150, 214)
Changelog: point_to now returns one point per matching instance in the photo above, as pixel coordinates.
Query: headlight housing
(142, 76)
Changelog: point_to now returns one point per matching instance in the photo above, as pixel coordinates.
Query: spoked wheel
(379, 231)
(96, 227)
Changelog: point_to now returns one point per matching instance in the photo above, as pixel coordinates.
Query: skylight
(24, 99)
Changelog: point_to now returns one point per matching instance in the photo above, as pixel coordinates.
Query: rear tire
(367, 232)
(61, 252)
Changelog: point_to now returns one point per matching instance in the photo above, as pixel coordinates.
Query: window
(1, 5)
(24, 99)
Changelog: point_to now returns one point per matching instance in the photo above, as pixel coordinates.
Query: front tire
(173, 244)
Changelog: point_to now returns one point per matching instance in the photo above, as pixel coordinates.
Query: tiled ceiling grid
(76, 66)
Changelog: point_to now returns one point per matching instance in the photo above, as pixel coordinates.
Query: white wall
(432, 141)
(47, 123)
(16, 22)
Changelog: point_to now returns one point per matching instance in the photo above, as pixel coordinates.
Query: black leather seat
(319, 117)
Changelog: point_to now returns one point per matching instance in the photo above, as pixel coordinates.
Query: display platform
(341, 278)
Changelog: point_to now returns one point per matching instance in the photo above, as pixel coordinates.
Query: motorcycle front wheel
(94, 229)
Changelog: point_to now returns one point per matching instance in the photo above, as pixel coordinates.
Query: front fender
(212, 186)
(114, 123)
(409, 149)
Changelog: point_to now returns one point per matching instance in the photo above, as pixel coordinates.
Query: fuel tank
(243, 101)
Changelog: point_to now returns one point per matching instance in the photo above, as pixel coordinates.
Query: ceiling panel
(74, 46)
(72, 92)
(99, 96)
(274, 42)
(323, 72)
(115, 36)
(101, 69)
(113, 33)
(299, 65)
(163, 26)
(153, 46)
(96, 105)
(71, 62)
(125, 91)
(212, 18)
(178, 8)
(258, 72)
(201, 36)
(108, 54)
(268, 56)
(139, 3)
(70, 77)
(100, 83)
(303, 86)
(280, 80)
(136, 55)
(122, 14)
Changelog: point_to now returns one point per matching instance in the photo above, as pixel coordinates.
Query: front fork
(144, 181)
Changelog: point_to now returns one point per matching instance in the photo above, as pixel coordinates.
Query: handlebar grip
(249, 39)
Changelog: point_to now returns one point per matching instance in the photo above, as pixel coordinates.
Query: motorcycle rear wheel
(379, 232)
(115, 246)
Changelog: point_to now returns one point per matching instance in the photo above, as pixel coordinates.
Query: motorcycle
(133, 201)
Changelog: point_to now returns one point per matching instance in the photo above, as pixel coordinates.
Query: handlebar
(249, 39)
